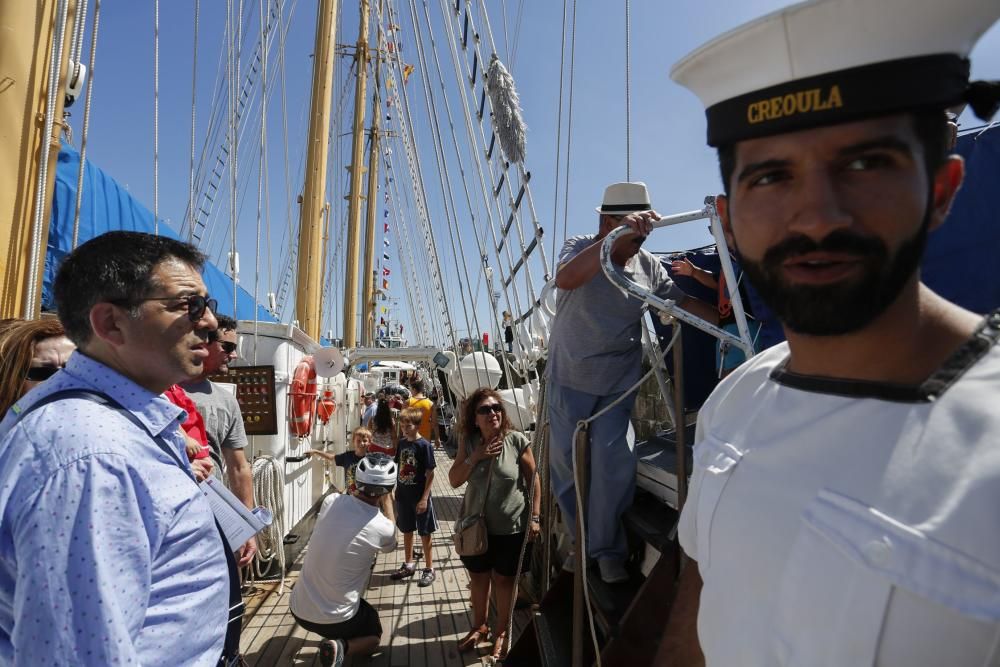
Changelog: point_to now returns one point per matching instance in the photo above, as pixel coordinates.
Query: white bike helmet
(375, 475)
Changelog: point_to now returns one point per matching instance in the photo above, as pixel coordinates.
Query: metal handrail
(630, 288)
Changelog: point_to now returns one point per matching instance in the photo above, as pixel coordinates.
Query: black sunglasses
(41, 373)
(227, 346)
(196, 304)
(487, 409)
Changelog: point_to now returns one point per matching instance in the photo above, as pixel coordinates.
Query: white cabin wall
(283, 346)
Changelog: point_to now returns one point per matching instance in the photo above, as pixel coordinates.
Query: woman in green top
(488, 440)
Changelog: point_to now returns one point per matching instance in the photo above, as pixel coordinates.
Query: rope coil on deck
(268, 489)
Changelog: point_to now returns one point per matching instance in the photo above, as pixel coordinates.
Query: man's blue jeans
(611, 462)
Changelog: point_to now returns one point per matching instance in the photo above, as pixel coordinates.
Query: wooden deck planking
(421, 626)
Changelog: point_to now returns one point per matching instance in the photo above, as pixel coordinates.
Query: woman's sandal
(499, 646)
(471, 640)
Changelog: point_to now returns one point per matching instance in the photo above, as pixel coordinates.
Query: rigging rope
(261, 175)
(53, 89)
(405, 121)
(445, 180)
(288, 178)
(628, 93)
(86, 123)
(539, 444)
(559, 118)
(517, 33)
(569, 128)
(524, 176)
(581, 540)
(76, 42)
(507, 282)
(496, 92)
(156, 117)
(233, 156)
(194, 89)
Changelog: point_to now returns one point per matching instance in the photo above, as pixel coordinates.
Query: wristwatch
(536, 519)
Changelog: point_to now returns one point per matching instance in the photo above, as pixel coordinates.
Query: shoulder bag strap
(236, 607)
(486, 492)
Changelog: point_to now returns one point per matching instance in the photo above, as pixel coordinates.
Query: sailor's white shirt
(848, 524)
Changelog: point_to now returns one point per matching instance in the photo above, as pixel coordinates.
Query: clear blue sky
(667, 122)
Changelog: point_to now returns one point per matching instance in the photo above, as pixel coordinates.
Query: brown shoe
(471, 640)
(500, 646)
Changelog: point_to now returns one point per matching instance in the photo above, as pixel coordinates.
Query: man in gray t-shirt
(223, 420)
(595, 355)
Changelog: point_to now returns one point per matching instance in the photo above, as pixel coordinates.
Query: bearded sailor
(846, 489)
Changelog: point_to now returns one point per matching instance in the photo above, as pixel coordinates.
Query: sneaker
(427, 577)
(613, 571)
(331, 653)
(405, 571)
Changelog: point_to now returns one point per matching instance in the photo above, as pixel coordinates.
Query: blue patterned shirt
(109, 554)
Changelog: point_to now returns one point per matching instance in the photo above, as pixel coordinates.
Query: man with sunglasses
(227, 438)
(109, 551)
(595, 356)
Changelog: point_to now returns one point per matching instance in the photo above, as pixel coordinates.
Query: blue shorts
(407, 519)
(734, 355)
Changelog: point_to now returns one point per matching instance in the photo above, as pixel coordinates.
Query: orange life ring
(302, 397)
(326, 406)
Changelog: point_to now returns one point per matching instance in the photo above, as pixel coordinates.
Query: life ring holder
(302, 398)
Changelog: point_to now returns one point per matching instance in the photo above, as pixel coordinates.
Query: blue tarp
(108, 206)
(961, 259)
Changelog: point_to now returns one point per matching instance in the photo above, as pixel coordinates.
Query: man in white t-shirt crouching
(349, 532)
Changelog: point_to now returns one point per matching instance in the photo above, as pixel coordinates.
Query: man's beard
(846, 306)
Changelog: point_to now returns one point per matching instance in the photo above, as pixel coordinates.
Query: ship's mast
(357, 167)
(31, 30)
(368, 276)
(309, 292)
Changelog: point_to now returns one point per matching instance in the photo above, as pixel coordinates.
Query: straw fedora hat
(624, 198)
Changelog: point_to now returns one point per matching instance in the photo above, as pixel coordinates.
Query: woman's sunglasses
(227, 346)
(41, 373)
(487, 409)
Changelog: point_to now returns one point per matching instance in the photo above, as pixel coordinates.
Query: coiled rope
(268, 489)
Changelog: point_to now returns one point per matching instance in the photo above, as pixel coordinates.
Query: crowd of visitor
(845, 484)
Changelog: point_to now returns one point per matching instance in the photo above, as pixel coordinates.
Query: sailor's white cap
(625, 198)
(823, 62)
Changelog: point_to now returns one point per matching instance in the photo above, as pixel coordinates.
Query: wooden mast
(309, 290)
(368, 276)
(357, 167)
(30, 33)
